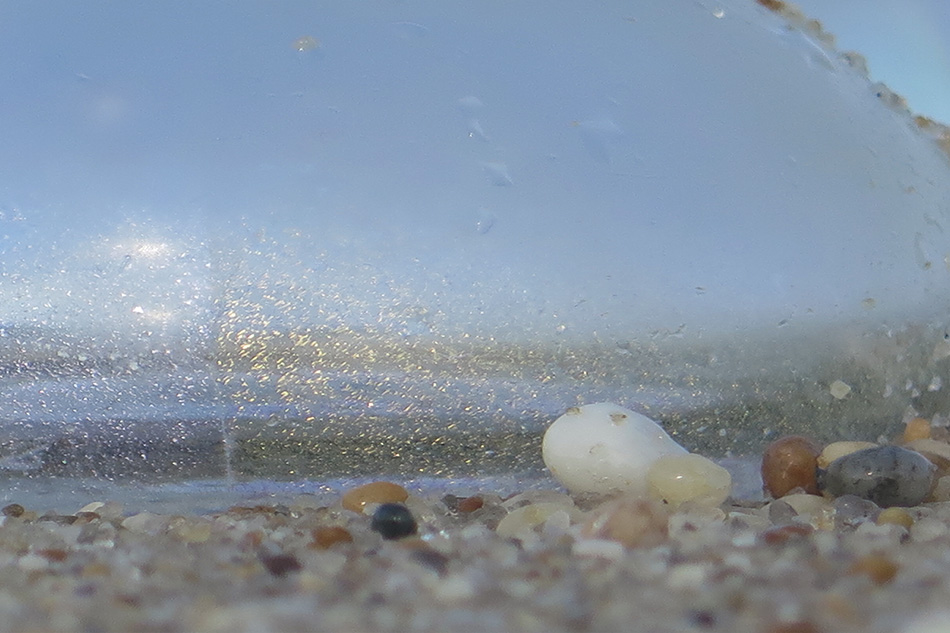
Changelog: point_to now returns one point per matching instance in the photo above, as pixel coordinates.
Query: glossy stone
(356, 499)
(604, 448)
(393, 521)
(788, 463)
(887, 475)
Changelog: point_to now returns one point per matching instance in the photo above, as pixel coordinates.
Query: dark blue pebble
(887, 475)
(393, 520)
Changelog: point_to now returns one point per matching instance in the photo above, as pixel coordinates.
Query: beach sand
(486, 557)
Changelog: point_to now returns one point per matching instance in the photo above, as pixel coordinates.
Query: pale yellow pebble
(895, 516)
(676, 479)
(92, 507)
(839, 449)
(193, 531)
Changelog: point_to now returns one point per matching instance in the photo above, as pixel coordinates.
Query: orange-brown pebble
(632, 521)
(878, 567)
(376, 492)
(788, 463)
(470, 504)
(895, 516)
(784, 533)
(328, 535)
(916, 429)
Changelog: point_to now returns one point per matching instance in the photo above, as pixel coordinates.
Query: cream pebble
(839, 449)
(604, 448)
(677, 479)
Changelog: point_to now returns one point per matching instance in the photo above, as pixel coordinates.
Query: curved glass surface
(307, 238)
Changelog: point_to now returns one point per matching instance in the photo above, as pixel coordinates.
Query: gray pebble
(887, 475)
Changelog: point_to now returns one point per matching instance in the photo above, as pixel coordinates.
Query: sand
(481, 561)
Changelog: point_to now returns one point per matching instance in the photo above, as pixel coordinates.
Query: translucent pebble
(839, 449)
(604, 448)
(789, 463)
(887, 475)
(813, 509)
(676, 479)
(851, 511)
(375, 492)
(630, 520)
(527, 518)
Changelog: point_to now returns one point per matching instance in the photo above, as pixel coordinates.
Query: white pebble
(604, 448)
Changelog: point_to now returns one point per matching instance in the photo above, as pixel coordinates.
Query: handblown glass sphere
(361, 236)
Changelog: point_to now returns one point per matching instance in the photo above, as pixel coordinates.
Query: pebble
(393, 521)
(526, 518)
(936, 452)
(781, 534)
(895, 516)
(887, 475)
(851, 511)
(629, 520)
(788, 463)
(677, 479)
(879, 568)
(833, 451)
(916, 429)
(327, 536)
(375, 492)
(470, 504)
(13, 510)
(604, 448)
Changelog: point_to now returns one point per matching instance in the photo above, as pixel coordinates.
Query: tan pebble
(789, 463)
(937, 452)
(327, 536)
(193, 531)
(839, 449)
(941, 490)
(632, 521)
(376, 492)
(895, 516)
(676, 479)
(878, 567)
(916, 429)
